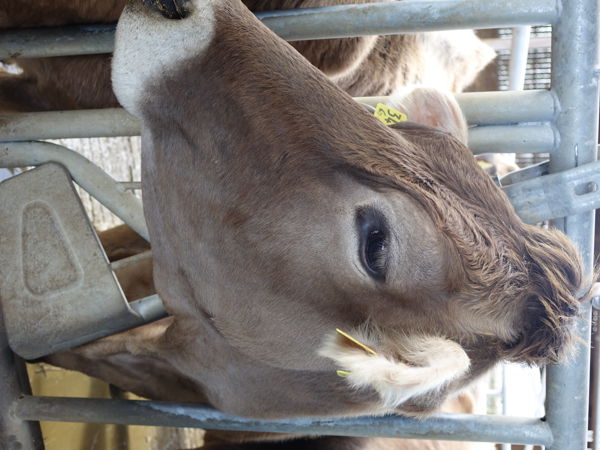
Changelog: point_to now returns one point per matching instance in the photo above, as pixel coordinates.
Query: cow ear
(397, 367)
(433, 107)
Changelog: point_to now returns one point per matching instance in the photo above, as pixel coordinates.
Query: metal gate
(562, 122)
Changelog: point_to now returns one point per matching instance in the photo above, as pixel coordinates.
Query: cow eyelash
(373, 242)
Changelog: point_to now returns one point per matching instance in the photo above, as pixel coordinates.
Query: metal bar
(130, 185)
(508, 106)
(443, 426)
(131, 260)
(528, 173)
(492, 108)
(499, 44)
(406, 17)
(504, 401)
(57, 41)
(574, 80)
(68, 124)
(518, 67)
(595, 385)
(86, 174)
(15, 433)
(554, 196)
(540, 138)
(478, 108)
(518, 58)
(149, 308)
(533, 138)
(311, 23)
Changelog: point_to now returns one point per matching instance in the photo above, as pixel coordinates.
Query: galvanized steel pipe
(518, 58)
(540, 138)
(455, 427)
(68, 124)
(479, 108)
(504, 107)
(501, 107)
(15, 433)
(406, 17)
(574, 80)
(311, 23)
(57, 41)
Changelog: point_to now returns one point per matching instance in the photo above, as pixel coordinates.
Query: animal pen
(561, 121)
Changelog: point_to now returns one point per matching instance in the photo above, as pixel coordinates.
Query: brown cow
(361, 66)
(425, 105)
(276, 219)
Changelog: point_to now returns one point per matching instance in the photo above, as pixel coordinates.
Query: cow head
(279, 210)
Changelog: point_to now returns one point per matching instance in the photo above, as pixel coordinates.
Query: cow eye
(373, 242)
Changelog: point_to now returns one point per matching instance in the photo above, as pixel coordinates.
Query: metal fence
(561, 122)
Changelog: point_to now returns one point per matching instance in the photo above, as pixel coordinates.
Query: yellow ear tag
(356, 342)
(389, 116)
(484, 164)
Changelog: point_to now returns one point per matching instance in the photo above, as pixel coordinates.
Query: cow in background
(370, 65)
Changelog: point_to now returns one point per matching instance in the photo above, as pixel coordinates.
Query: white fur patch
(147, 46)
(403, 367)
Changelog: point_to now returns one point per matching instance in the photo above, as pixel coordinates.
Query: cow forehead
(148, 46)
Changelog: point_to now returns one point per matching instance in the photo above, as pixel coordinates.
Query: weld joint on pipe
(556, 110)
(556, 107)
(556, 134)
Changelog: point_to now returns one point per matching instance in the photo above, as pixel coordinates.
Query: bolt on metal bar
(574, 80)
(311, 23)
(90, 177)
(454, 427)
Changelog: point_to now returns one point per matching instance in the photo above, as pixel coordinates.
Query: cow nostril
(170, 9)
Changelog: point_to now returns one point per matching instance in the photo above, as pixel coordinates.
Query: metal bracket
(537, 197)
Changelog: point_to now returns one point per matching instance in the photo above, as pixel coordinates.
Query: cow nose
(170, 9)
